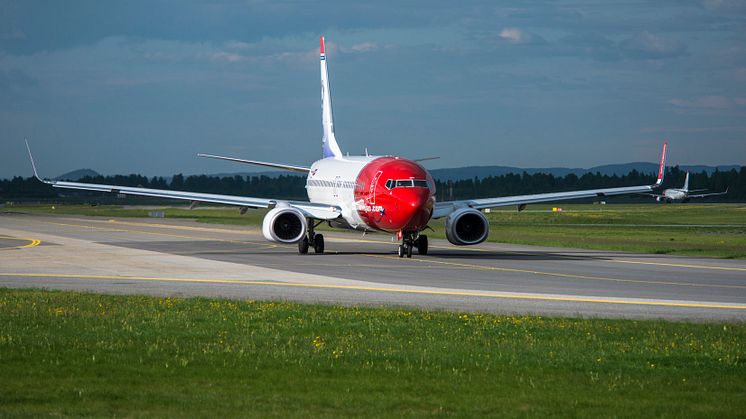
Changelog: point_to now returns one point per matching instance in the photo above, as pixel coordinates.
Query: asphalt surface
(185, 258)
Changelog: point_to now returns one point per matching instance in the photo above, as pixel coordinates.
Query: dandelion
(317, 343)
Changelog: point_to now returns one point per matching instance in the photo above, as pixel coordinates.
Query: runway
(183, 258)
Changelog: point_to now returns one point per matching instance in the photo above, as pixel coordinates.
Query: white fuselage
(675, 194)
(333, 181)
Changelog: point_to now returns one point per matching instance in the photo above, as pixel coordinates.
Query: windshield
(406, 183)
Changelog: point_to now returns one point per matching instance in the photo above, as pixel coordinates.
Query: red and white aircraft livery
(366, 193)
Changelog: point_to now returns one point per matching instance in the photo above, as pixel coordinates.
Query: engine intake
(284, 225)
(467, 226)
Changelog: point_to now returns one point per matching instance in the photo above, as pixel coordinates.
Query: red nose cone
(395, 194)
(414, 208)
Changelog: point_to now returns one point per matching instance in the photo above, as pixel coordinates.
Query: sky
(143, 86)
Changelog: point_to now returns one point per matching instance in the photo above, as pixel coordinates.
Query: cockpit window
(406, 183)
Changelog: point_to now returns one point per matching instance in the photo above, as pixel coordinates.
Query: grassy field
(74, 354)
(712, 230)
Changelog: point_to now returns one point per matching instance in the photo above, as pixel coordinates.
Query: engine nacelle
(467, 226)
(284, 225)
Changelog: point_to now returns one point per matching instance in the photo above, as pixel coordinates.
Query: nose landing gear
(412, 240)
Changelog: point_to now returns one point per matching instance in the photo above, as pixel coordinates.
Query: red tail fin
(662, 168)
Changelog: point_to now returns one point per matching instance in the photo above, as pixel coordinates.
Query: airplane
(683, 194)
(388, 194)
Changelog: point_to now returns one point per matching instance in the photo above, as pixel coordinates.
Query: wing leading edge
(312, 210)
(442, 209)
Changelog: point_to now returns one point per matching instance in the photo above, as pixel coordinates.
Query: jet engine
(467, 226)
(284, 225)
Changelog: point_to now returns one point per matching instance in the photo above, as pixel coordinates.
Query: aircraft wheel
(401, 251)
(422, 245)
(303, 246)
(318, 243)
(409, 250)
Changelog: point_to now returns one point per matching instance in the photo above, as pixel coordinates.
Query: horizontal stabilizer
(426, 159)
(290, 167)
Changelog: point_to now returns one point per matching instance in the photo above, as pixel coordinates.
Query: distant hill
(77, 174)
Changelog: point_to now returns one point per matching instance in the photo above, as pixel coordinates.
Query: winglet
(662, 168)
(33, 165)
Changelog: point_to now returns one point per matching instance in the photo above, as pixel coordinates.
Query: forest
(293, 187)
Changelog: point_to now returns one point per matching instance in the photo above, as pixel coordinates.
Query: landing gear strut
(311, 239)
(411, 240)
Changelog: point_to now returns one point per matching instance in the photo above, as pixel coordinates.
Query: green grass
(711, 230)
(72, 354)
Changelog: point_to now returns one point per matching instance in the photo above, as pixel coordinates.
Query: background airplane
(366, 193)
(683, 194)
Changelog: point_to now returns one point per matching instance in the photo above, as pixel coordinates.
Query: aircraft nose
(417, 198)
(415, 205)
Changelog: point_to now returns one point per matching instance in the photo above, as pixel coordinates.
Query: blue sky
(142, 86)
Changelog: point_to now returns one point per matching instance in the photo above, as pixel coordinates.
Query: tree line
(293, 186)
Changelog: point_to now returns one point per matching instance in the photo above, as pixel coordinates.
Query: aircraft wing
(702, 195)
(442, 209)
(312, 210)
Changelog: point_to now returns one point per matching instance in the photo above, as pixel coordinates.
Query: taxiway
(184, 258)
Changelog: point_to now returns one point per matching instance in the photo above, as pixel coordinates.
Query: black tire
(303, 246)
(401, 251)
(318, 243)
(409, 250)
(422, 245)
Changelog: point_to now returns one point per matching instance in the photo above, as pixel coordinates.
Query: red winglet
(662, 168)
(322, 45)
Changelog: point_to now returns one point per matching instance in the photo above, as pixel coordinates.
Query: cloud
(724, 5)
(13, 35)
(708, 102)
(648, 46)
(363, 47)
(228, 57)
(692, 130)
(15, 79)
(519, 36)
(592, 44)
(237, 45)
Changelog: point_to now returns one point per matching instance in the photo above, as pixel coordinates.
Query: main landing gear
(411, 240)
(311, 239)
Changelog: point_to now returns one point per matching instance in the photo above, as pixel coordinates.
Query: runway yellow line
(31, 243)
(680, 265)
(495, 295)
(564, 275)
